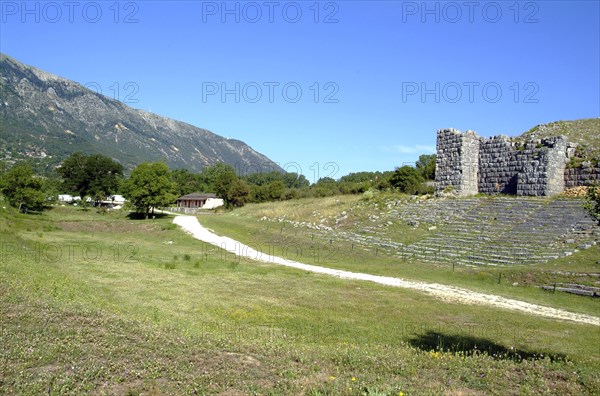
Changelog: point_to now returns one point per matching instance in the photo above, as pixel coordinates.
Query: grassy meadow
(248, 225)
(107, 304)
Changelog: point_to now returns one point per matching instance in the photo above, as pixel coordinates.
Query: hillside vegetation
(584, 132)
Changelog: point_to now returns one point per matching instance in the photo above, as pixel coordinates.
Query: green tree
(52, 186)
(275, 190)
(188, 182)
(261, 179)
(593, 202)
(150, 186)
(360, 177)
(22, 189)
(406, 179)
(96, 175)
(271, 186)
(354, 187)
(383, 182)
(426, 166)
(295, 180)
(235, 192)
(219, 177)
(238, 193)
(325, 187)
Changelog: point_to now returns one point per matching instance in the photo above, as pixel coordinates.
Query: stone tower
(543, 168)
(457, 162)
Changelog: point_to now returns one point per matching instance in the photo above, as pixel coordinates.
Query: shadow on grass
(142, 216)
(468, 345)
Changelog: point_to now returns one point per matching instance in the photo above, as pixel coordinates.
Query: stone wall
(457, 161)
(543, 167)
(469, 164)
(498, 166)
(583, 176)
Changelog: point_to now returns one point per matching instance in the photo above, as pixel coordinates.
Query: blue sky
(331, 87)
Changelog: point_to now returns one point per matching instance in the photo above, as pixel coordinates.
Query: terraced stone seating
(504, 231)
(581, 290)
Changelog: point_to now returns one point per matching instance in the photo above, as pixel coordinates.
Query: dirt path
(443, 292)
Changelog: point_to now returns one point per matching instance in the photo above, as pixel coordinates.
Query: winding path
(444, 292)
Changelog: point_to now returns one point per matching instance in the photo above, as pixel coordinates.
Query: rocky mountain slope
(47, 117)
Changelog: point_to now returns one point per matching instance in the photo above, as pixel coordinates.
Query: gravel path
(444, 292)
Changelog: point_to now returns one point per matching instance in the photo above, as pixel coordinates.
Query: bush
(291, 193)
(407, 179)
(425, 189)
(593, 202)
(353, 187)
(367, 195)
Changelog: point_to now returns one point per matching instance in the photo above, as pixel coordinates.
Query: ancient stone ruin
(468, 164)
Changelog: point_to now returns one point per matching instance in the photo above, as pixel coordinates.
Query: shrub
(406, 179)
(593, 202)
(426, 189)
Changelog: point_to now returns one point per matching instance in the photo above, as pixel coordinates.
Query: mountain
(46, 117)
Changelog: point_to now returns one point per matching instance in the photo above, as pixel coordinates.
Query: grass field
(306, 245)
(104, 304)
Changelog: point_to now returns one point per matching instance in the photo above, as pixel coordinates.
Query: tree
(295, 180)
(354, 187)
(238, 193)
(325, 187)
(593, 202)
(188, 182)
(52, 186)
(96, 175)
(406, 179)
(275, 190)
(261, 179)
(222, 177)
(383, 182)
(219, 178)
(22, 189)
(150, 186)
(426, 166)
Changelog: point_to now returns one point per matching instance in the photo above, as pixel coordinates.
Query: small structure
(67, 198)
(199, 201)
(117, 199)
(113, 202)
